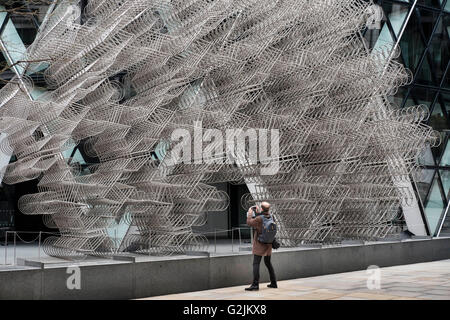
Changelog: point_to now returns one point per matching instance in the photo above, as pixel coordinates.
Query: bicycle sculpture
(299, 66)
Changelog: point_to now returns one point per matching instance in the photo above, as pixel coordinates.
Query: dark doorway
(238, 215)
(10, 195)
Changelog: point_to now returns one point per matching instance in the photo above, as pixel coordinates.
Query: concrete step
(445, 231)
(445, 235)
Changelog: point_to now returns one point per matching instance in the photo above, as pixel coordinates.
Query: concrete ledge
(198, 253)
(133, 278)
(30, 263)
(124, 258)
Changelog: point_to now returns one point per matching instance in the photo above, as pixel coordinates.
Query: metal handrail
(39, 237)
(40, 233)
(232, 236)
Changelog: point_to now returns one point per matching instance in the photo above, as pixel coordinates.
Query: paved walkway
(416, 281)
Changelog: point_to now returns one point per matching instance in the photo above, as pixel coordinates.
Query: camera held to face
(255, 210)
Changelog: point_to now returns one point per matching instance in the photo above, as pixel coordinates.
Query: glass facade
(19, 24)
(420, 27)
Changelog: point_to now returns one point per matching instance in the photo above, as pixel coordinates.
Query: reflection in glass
(424, 74)
(446, 80)
(396, 14)
(423, 182)
(447, 6)
(430, 3)
(434, 207)
(426, 158)
(445, 177)
(412, 44)
(437, 151)
(439, 48)
(26, 28)
(437, 119)
(379, 38)
(410, 101)
(445, 161)
(446, 100)
(424, 96)
(398, 98)
(428, 19)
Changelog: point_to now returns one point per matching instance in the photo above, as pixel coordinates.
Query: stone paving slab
(409, 282)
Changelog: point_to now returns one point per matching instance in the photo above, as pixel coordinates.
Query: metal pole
(232, 240)
(442, 221)
(115, 240)
(215, 240)
(240, 244)
(6, 246)
(150, 244)
(15, 262)
(39, 246)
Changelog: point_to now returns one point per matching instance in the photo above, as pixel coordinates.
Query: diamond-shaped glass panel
(428, 19)
(445, 160)
(447, 5)
(434, 206)
(410, 101)
(430, 3)
(423, 181)
(412, 44)
(396, 13)
(437, 119)
(424, 96)
(426, 157)
(439, 48)
(424, 75)
(446, 80)
(445, 98)
(445, 177)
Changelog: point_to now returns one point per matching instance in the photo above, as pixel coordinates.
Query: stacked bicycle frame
(299, 67)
